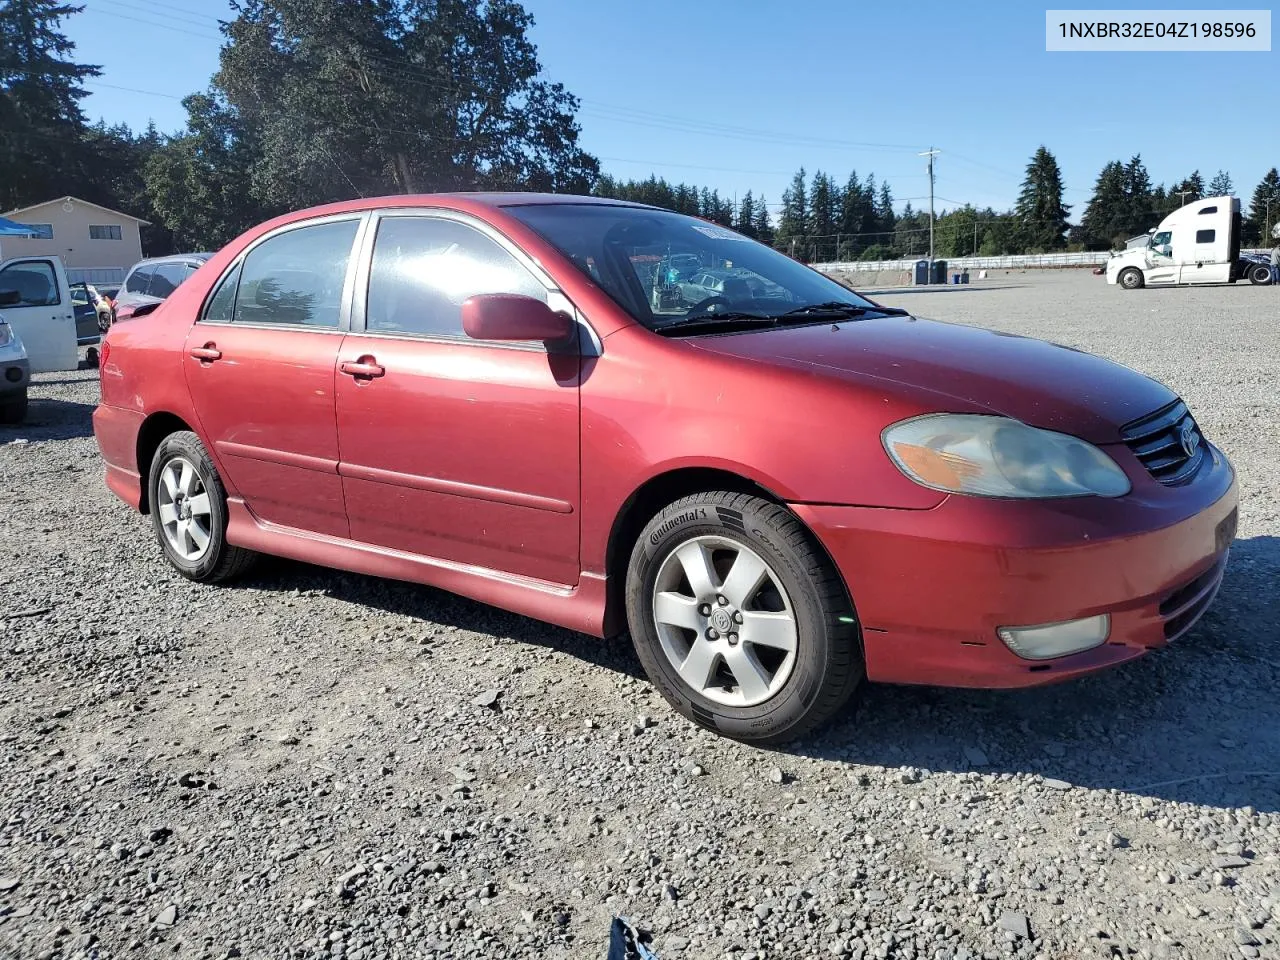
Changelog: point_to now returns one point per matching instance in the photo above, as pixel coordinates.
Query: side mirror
(509, 316)
(9, 297)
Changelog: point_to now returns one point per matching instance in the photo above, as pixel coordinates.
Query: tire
(199, 550)
(15, 410)
(1260, 274)
(1131, 278)
(786, 694)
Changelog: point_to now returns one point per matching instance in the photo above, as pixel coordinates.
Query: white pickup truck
(1197, 243)
(35, 300)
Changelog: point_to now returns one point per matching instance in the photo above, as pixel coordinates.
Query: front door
(1161, 267)
(43, 315)
(260, 366)
(452, 448)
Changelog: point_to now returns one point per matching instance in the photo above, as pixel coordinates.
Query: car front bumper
(15, 376)
(933, 587)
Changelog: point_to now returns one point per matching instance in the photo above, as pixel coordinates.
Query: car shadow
(1195, 723)
(50, 420)
(444, 609)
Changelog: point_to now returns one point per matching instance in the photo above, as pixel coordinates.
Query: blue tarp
(10, 229)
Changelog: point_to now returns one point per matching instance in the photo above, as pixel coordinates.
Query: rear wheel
(189, 512)
(1260, 274)
(14, 410)
(1131, 278)
(739, 618)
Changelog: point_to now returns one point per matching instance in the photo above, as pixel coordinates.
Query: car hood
(954, 368)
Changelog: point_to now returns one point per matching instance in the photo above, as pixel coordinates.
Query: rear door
(454, 448)
(260, 366)
(43, 315)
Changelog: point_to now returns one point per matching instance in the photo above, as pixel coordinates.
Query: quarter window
(35, 282)
(297, 278)
(1205, 236)
(1208, 210)
(108, 231)
(424, 267)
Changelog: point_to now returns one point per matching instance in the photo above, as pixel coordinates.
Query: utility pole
(975, 236)
(1183, 195)
(930, 153)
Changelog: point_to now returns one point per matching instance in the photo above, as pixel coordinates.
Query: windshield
(664, 268)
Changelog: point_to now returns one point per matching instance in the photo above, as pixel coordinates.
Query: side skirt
(578, 608)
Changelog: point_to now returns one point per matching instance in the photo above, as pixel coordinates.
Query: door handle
(366, 368)
(206, 354)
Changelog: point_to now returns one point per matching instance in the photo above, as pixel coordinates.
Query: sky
(738, 94)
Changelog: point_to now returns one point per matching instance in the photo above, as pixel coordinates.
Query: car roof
(173, 258)
(459, 200)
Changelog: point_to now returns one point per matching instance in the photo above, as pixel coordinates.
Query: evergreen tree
(1264, 210)
(1220, 185)
(41, 125)
(795, 214)
(824, 214)
(763, 226)
(746, 217)
(1040, 206)
(884, 213)
(1139, 211)
(1103, 224)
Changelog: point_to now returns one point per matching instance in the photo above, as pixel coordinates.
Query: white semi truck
(1197, 243)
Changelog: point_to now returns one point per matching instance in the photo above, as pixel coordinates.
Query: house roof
(97, 206)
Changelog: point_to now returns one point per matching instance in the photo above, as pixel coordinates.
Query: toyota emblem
(1189, 439)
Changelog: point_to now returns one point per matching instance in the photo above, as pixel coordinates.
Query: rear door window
(139, 280)
(168, 277)
(297, 278)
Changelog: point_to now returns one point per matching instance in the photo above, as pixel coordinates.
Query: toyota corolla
(780, 489)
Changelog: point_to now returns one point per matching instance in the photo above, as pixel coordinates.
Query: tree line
(315, 102)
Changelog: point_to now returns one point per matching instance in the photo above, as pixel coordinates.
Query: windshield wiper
(843, 309)
(728, 317)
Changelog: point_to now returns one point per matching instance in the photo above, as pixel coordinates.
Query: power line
(156, 11)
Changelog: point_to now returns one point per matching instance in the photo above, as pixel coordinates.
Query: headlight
(5, 334)
(988, 456)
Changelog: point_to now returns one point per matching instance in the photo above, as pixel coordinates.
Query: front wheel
(189, 512)
(1131, 278)
(740, 620)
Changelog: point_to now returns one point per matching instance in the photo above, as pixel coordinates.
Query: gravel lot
(303, 765)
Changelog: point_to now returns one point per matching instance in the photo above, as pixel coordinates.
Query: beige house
(96, 245)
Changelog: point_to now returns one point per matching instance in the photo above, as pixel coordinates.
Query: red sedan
(780, 489)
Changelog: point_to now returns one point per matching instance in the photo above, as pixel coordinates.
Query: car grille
(1157, 441)
(1182, 608)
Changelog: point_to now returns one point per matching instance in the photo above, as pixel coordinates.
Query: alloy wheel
(725, 622)
(185, 513)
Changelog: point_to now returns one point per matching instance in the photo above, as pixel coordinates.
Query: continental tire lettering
(697, 513)
(764, 537)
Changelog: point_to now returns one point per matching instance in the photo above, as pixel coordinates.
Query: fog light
(1056, 639)
(13, 374)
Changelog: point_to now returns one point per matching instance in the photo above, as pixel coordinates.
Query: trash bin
(922, 272)
(939, 272)
(964, 276)
(955, 279)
